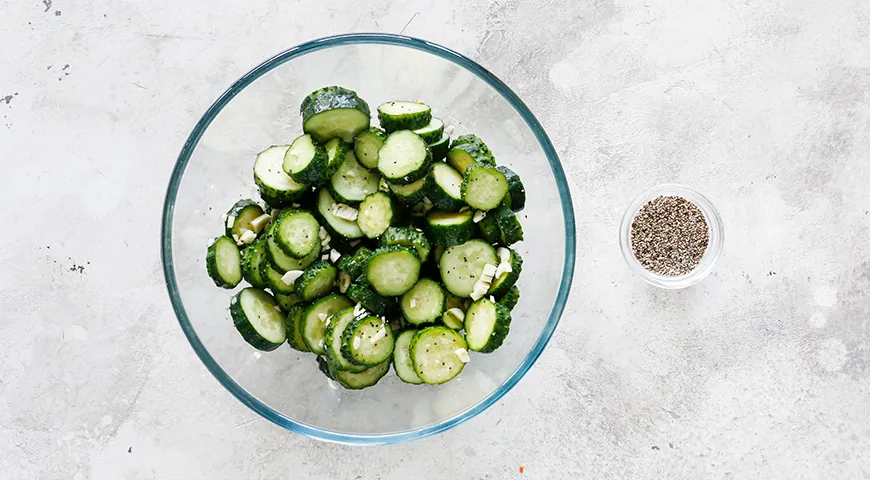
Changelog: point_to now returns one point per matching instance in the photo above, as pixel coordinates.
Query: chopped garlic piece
(248, 237)
(489, 270)
(230, 221)
(260, 222)
(323, 233)
(379, 335)
(223, 217)
(334, 255)
(464, 209)
(478, 216)
(278, 307)
(290, 277)
(325, 242)
(502, 269)
(355, 342)
(274, 213)
(236, 239)
(324, 257)
(358, 310)
(413, 302)
(462, 354)
(456, 313)
(504, 255)
(492, 299)
(321, 316)
(449, 129)
(295, 205)
(345, 212)
(343, 282)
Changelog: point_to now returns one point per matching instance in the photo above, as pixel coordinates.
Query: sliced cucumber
(376, 214)
(336, 151)
(440, 147)
(392, 271)
(355, 264)
(454, 318)
(296, 232)
(241, 215)
(486, 325)
(409, 237)
(346, 229)
(444, 187)
(516, 197)
(258, 319)
(274, 279)
(509, 227)
(411, 193)
(286, 302)
(449, 228)
(432, 132)
(366, 146)
(224, 262)
(436, 353)
(333, 339)
(315, 317)
(294, 327)
(461, 265)
(483, 187)
(352, 182)
(276, 187)
(252, 258)
(368, 341)
(424, 302)
(305, 161)
(316, 281)
(455, 302)
(468, 150)
(404, 158)
(403, 115)
(366, 378)
(488, 228)
(283, 262)
(503, 282)
(334, 112)
(402, 358)
(511, 298)
(378, 304)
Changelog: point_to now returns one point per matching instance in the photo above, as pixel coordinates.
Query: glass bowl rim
(184, 157)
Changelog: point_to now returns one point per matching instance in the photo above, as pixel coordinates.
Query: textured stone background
(759, 372)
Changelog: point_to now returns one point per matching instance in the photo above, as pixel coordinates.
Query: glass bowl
(714, 245)
(261, 109)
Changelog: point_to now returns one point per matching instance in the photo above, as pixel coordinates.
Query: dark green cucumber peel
(334, 112)
(409, 237)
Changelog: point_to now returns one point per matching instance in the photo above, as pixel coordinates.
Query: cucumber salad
(374, 245)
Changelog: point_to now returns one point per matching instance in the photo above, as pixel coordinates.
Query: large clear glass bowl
(214, 170)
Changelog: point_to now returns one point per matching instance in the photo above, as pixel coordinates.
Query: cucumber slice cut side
(336, 151)
(411, 193)
(276, 187)
(252, 258)
(334, 336)
(436, 354)
(258, 319)
(242, 213)
(366, 146)
(402, 363)
(449, 228)
(399, 115)
(316, 281)
(368, 341)
(376, 214)
(486, 325)
(454, 318)
(282, 262)
(468, 150)
(409, 237)
(305, 161)
(461, 266)
(294, 327)
(440, 147)
(334, 112)
(432, 132)
(444, 187)
(516, 197)
(296, 232)
(364, 379)
(483, 187)
(224, 262)
(502, 283)
(404, 158)
(424, 303)
(392, 271)
(346, 229)
(315, 317)
(352, 182)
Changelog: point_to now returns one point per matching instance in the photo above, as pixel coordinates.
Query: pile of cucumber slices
(378, 245)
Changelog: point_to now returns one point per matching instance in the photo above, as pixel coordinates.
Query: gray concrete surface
(761, 371)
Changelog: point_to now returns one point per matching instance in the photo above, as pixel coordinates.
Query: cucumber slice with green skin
(224, 262)
(243, 213)
(486, 325)
(404, 158)
(424, 303)
(378, 304)
(296, 232)
(409, 194)
(286, 302)
(276, 187)
(333, 340)
(450, 228)
(334, 112)
(503, 283)
(305, 161)
(483, 187)
(336, 151)
(432, 132)
(516, 197)
(282, 262)
(453, 320)
(314, 320)
(409, 237)
(258, 319)
(366, 146)
(392, 271)
(316, 281)
(469, 138)
(364, 379)
(294, 327)
(440, 147)
(455, 302)
(403, 115)
(352, 182)
(511, 298)
(376, 214)
(402, 363)
(444, 187)
(461, 266)
(252, 258)
(275, 282)
(355, 264)
(434, 354)
(338, 227)
(509, 227)
(488, 228)
(468, 150)
(368, 341)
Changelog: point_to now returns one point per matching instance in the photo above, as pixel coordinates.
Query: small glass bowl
(714, 246)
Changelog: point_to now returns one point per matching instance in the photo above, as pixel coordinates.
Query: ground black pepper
(669, 235)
